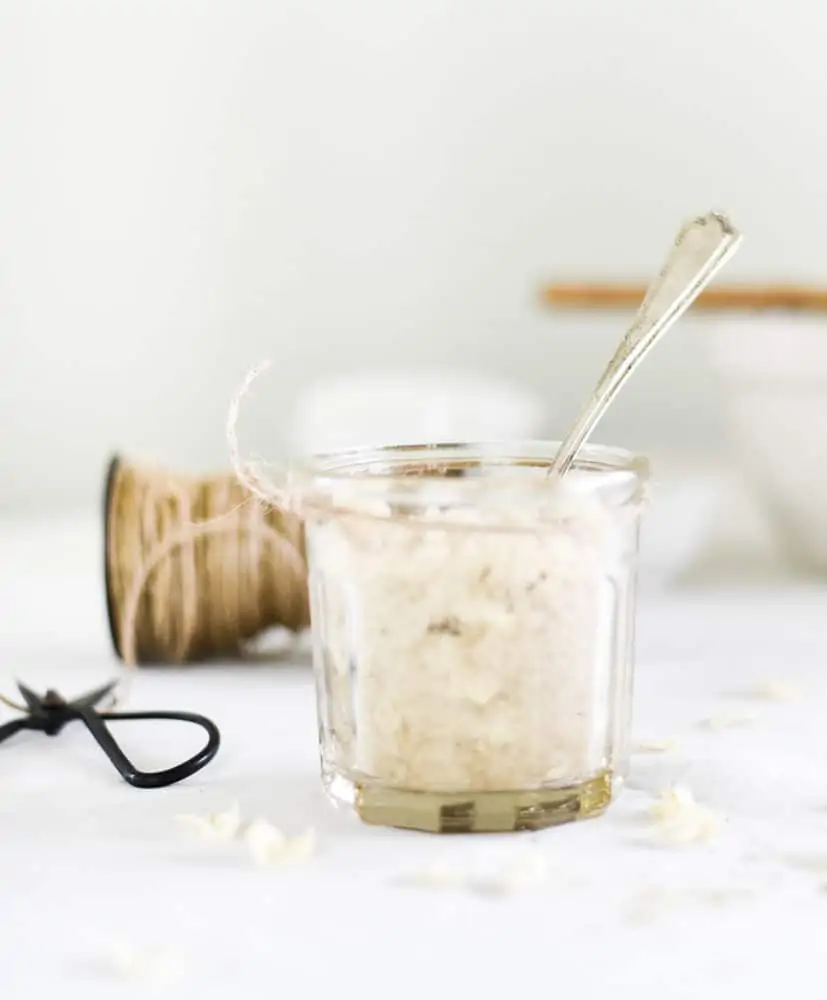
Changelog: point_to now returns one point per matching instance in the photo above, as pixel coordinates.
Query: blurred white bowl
(384, 408)
(684, 499)
(774, 374)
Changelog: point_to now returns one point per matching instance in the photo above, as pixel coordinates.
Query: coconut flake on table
(217, 826)
(505, 875)
(776, 690)
(680, 820)
(527, 870)
(728, 720)
(437, 874)
(156, 966)
(654, 902)
(269, 847)
(656, 746)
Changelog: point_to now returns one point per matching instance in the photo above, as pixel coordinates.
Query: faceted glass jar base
(473, 812)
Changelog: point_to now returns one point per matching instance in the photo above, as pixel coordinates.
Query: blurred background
(189, 187)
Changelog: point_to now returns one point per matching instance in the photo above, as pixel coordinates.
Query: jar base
(475, 812)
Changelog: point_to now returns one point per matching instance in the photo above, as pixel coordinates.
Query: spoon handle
(701, 249)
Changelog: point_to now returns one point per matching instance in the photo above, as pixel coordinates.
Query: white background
(189, 187)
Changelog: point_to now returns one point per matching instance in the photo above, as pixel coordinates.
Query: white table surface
(85, 859)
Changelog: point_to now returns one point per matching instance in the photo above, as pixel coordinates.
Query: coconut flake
(680, 820)
(728, 720)
(269, 847)
(651, 903)
(437, 875)
(527, 871)
(155, 966)
(516, 873)
(776, 690)
(647, 905)
(655, 746)
(301, 847)
(218, 826)
(723, 895)
(816, 862)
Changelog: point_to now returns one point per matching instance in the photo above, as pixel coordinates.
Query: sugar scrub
(473, 654)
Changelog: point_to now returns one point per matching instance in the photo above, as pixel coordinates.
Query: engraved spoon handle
(701, 249)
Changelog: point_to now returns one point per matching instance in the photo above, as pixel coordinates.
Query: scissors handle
(10, 728)
(96, 724)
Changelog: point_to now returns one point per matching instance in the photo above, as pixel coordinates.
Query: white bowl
(684, 498)
(773, 369)
(386, 408)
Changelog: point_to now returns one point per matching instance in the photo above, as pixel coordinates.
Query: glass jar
(473, 628)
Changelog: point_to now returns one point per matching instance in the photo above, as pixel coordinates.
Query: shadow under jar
(473, 630)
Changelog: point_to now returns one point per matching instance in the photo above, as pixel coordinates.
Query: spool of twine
(196, 567)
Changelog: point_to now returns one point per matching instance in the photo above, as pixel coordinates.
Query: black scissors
(50, 713)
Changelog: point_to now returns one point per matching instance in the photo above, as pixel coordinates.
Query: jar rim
(392, 472)
(358, 463)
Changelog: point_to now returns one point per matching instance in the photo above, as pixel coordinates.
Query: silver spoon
(701, 249)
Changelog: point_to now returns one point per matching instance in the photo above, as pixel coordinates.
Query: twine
(196, 567)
